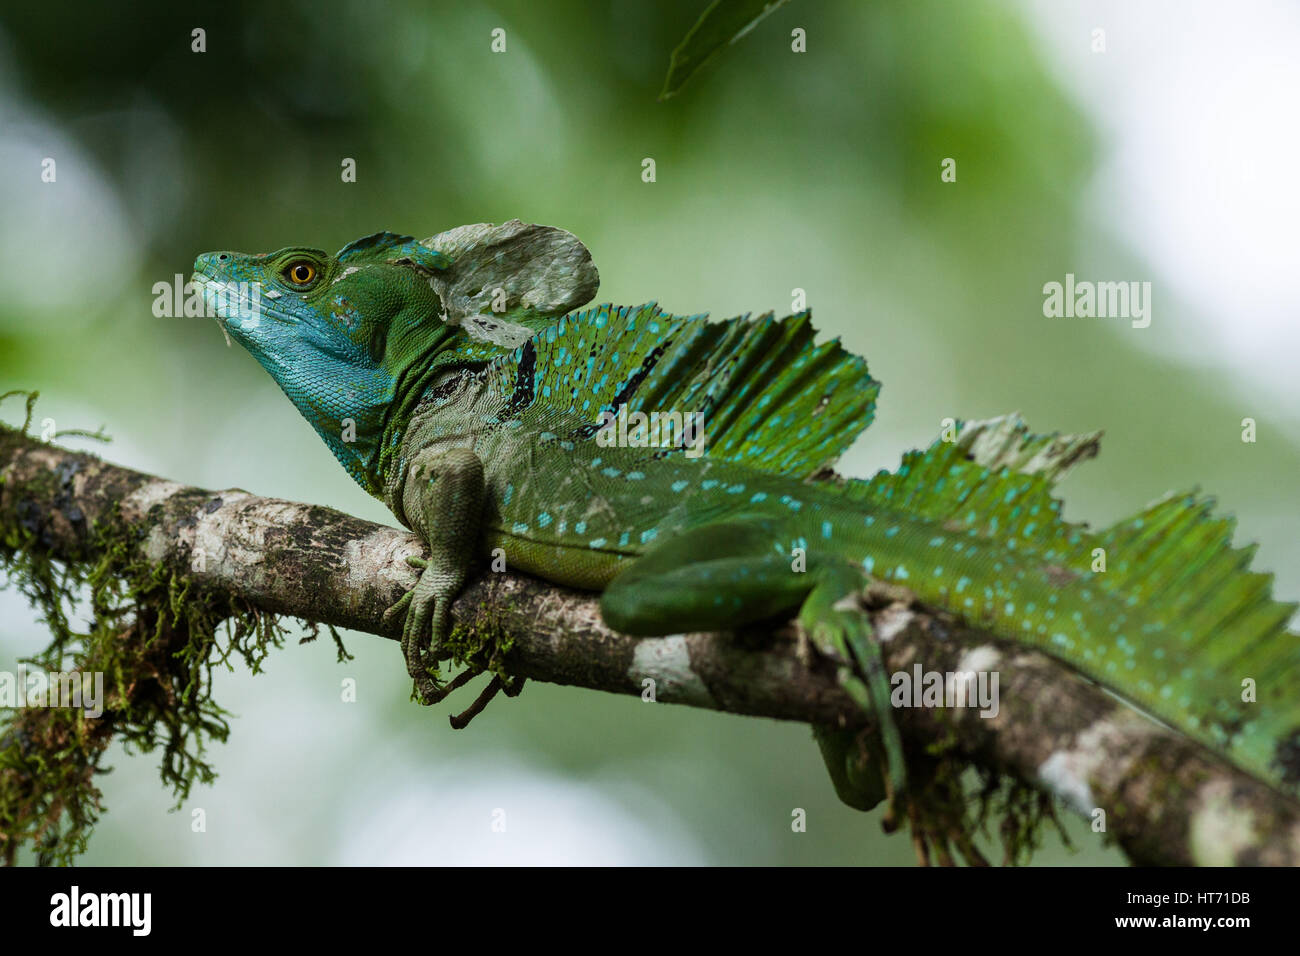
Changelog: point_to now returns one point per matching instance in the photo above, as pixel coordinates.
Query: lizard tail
(1160, 608)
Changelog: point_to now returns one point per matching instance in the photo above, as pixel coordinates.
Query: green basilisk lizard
(453, 380)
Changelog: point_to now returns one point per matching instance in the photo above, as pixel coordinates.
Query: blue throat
(346, 405)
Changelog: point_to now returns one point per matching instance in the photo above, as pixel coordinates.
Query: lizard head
(337, 333)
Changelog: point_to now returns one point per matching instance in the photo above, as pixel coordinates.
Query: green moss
(1022, 812)
(483, 642)
(953, 802)
(313, 631)
(154, 635)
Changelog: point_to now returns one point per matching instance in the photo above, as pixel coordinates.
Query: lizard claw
(422, 607)
(427, 624)
(396, 610)
(404, 602)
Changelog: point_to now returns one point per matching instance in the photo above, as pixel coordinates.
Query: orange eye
(300, 273)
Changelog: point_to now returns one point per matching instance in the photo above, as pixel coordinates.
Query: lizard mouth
(238, 306)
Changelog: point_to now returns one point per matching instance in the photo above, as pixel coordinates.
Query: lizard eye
(300, 272)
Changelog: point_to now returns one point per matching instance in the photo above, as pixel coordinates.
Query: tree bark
(1166, 799)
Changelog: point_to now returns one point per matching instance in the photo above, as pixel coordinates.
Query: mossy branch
(165, 564)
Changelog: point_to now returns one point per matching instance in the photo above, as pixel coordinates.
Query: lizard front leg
(442, 499)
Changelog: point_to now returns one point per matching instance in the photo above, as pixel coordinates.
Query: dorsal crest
(766, 395)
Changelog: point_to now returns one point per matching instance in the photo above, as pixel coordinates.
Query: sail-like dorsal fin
(761, 391)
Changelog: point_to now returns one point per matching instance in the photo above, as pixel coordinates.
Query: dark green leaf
(721, 24)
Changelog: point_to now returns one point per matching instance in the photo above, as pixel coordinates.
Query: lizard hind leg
(728, 573)
(854, 768)
(835, 621)
(713, 577)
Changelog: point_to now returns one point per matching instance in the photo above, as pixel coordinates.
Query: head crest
(399, 250)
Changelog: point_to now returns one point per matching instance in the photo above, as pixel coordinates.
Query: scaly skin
(477, 445)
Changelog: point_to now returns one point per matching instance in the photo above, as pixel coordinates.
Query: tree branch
(1167, 800)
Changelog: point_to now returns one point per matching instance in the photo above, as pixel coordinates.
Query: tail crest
(1185, 630)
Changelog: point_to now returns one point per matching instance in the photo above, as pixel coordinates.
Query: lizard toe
(396, 610)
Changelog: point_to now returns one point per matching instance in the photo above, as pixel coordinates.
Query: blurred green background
(775, 171)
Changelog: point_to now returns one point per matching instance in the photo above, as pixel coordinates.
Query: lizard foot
(425, 623)
(424, 632)
(399, 608)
